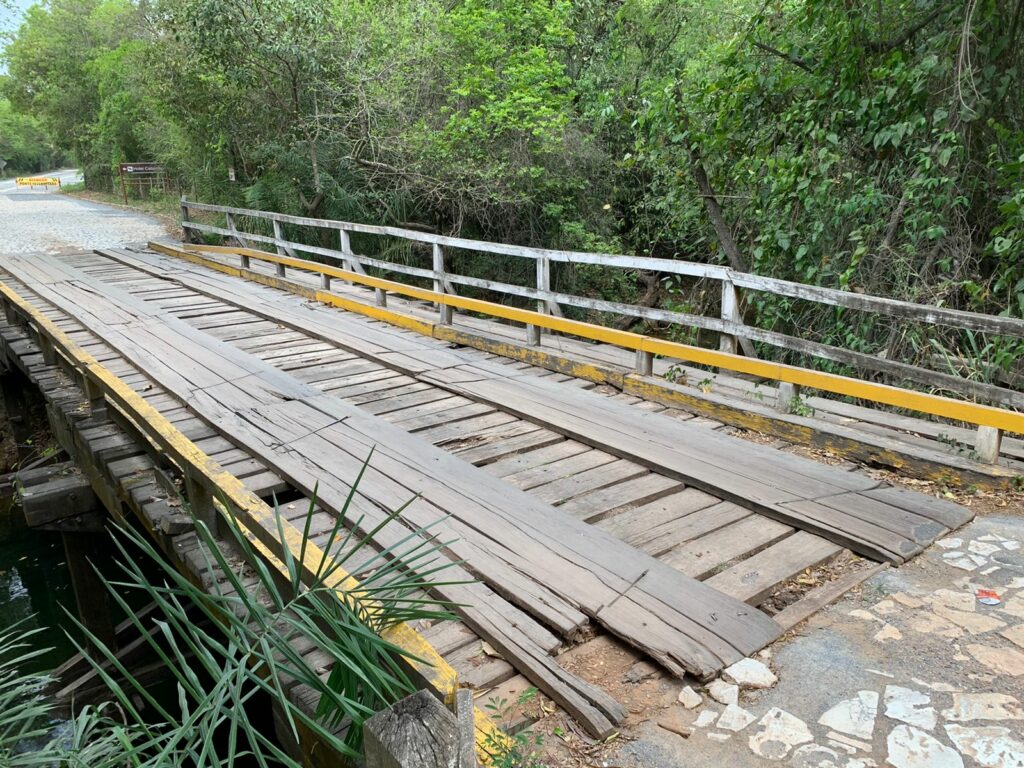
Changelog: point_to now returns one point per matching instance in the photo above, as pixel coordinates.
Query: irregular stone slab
(982, 548)
(689, 698)
(705, 718)
(779, 733)
(723, 692)
(816, 756)
(909, 706)
(983, 706)
(961, 601)
(991, 746)
(950, 543)
(848, 744)
(1003, 661)
(975, 623)
(927, 623)
(911, 747)
(887, 632)
(1015, 634)
(750, 673)
(735, 718)
(854, 717)
(907, 600)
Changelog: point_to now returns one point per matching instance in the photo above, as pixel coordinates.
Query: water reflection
(34, 587)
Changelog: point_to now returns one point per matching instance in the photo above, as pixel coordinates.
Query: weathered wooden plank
(755, 578)
(659, 583)
(590, 705)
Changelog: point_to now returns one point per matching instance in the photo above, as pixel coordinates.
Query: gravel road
(33, 220)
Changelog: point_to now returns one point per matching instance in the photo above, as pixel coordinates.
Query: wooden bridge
(582, 494)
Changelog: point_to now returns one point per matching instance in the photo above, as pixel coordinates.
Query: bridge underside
(576, 511)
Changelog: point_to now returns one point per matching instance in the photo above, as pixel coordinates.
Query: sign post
(138, 174)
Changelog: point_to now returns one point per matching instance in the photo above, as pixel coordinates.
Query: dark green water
(34, 586)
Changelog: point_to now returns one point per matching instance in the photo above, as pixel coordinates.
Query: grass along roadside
(165, 208)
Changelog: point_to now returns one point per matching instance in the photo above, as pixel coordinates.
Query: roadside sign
(37, 181)
(141, 168)
(142, 178)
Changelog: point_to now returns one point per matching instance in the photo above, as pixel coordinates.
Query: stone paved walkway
(33, 220)
(913, 670)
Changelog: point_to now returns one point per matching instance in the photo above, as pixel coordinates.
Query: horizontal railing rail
(218, 498)
(987, 417)
(733, 332)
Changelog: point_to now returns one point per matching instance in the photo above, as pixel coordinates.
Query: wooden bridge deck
(914, 446)
(576, 511)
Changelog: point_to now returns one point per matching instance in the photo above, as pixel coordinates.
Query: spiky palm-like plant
(257, 612)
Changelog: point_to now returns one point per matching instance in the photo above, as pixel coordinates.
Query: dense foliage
(877, 147)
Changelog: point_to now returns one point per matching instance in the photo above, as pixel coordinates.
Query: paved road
(34, 220)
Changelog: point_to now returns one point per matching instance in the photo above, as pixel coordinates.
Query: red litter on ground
(988, 597)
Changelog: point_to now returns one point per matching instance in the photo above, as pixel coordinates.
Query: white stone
(963, 563)
(734, 718)
(854, 717)
(911, 747)
(949, 543)
(904, 599)
(909, 706)
(1011, 545)
(1014, 606)
(982, 548)
(1002, 661)
(719, 736)
(689, 698)
(992, 746)
(815, 756)
(846, 741)
(927, 623)
(750, 673)
(975, 623)
(960, 600)
(778, 734)
(1016, 583)
(884, 607)
(705, 718)
(887, 632)
(983, 706)
(723, 692)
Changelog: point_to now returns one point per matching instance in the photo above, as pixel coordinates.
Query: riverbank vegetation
(874, 147)
(230, 647)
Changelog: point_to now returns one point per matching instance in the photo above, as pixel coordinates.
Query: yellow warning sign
(37, 181)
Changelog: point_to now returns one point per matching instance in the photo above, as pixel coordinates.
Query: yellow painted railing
(255, 519)
(936, 405)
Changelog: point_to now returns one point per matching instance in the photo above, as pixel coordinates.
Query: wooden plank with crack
(759, 469)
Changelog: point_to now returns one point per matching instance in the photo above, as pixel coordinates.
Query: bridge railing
(734, 335)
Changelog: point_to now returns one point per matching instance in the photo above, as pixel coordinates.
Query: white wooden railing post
(787, 396)
(279, 245)
(644, 363)
(988, 443)
(727, 342)
(444, 310)
(234, 233)
(533, 332)
(185, 231)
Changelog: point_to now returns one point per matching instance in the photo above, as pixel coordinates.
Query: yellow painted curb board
(957, 410)
(420, 654)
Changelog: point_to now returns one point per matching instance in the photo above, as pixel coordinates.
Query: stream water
(35, 586)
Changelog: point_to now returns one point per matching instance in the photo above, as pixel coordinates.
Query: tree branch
(796, 61)
(884, 46)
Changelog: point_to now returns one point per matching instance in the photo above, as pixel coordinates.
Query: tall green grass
(247, 648)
